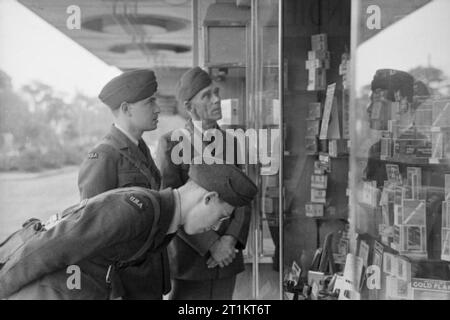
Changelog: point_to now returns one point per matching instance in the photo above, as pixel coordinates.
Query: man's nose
(369, 109)
(215, 98)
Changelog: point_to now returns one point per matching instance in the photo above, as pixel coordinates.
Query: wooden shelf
(410, 161)
(405, 160)
(410, 257)
(439, 161)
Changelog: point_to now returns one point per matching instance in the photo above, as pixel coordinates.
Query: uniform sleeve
(240, 223)
(98, 173)
(170, 173)
(201, 242)
(239, 226)
(82, 235)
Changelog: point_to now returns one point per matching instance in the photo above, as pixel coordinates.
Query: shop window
(400, 151)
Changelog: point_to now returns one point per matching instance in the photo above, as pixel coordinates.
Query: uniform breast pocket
(132, 179)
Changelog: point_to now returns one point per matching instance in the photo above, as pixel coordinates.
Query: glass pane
(401, 149)
(315, 159)
(264, 115)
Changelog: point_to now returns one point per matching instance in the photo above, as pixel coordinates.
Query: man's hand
(222, 252)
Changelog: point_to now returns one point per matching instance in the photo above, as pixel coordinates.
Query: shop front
(344, 107)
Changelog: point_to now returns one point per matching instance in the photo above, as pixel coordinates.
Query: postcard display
(403, 207)
(402, 241)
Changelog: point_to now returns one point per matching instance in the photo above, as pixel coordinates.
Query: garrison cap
(130, 86)
(232, 185)
(191, 82)
(392, 81)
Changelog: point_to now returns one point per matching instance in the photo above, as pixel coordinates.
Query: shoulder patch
(136, 202)
(92, 155)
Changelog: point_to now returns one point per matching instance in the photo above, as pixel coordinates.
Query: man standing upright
(203, 266)
(122, 159)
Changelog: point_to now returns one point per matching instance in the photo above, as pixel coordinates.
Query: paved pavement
(35, 195)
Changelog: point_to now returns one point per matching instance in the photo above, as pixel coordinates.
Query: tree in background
(47, 129)
(434, 78)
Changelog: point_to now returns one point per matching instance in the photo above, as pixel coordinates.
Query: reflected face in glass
(377, 103)
(377, 108)
(144, 114)
(207, 214)
(206, 104)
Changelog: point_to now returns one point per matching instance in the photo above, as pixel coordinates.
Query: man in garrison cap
(106, 236)
(203, 266)
(122, 158)
(390, 88)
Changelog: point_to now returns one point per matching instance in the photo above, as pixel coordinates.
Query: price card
(327, 111)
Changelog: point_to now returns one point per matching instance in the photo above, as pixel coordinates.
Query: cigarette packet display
(314, 111)
(319, 54)
(437, 145)
(337, 147)
(445, 248)
(231, 112)
(446, 214)
(319, 181)
(393, 173)
(314, 210)
(319, 42)
(333, 148)
(410, 240)
(318, 196)
(317, 79)
(414, 212)
(318, 168)
(270, 181)
(386, 148)
(312, 128)
(430, 289)
(398, 195)
(441, 113)
(447, 187)
(413, 182)
(311, 145)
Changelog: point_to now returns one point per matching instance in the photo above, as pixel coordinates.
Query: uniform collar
(193, 128)
(167, 212)
(126, 133)
(124, 142)
(175, 223)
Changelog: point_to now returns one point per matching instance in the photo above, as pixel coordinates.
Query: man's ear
(188, 106)
(210, 196)
(124, 107)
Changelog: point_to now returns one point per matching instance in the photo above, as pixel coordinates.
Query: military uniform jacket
(111, 227)
(106, 168)
(188, 254)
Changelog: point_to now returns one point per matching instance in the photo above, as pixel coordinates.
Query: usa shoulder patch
(136, 202)
(92, 155)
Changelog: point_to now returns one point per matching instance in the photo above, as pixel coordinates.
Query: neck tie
(143, 148)
(154, 171)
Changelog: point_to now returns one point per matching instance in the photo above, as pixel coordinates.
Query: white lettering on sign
(74, 20)
(374, 20)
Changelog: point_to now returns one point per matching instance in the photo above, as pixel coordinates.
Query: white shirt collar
(176, 220)
(197, 125)
(129, 136)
